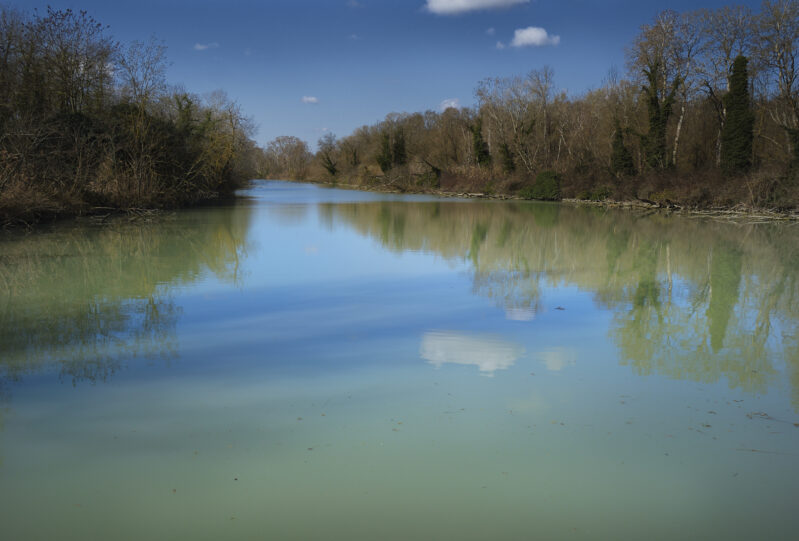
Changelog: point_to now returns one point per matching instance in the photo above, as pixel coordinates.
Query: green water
(310, 363)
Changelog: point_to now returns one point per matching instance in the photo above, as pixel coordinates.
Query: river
(315, 363)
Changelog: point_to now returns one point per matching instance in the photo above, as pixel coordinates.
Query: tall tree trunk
(677, 135)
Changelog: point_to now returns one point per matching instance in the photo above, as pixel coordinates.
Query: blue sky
(356, 61)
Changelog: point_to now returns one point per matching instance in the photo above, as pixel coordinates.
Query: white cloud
(533, 36)
(205, 46)
(354, 4)
(500, 45)
(310, 99)
(491, 31)
(354, 37)
(454, 7)
(449, 102)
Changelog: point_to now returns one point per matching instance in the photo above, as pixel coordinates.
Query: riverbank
(28, 214)
(720, 212)
(32, 216)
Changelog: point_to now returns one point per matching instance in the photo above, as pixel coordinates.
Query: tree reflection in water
(691, 298)
(85, 299)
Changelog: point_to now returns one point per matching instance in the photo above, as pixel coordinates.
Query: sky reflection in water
(306, 362)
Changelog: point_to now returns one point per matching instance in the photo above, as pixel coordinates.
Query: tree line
(87, 122)
(705, 114)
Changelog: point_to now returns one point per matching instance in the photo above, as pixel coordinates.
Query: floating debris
(767, 452)
(766, 417)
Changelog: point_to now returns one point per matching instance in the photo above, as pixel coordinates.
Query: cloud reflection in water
(556, 359)
(487, 353)
(520, 314)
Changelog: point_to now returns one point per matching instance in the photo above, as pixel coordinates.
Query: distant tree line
(286, 157)
(707, 114)
(88, 122)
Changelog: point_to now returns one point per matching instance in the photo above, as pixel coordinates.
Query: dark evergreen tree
(621, 161)
(659, 108)
(482, 156)
(546, 187)
(384, 154)
(793, 137)
(508, 165)
(399, 155)
(738, 131)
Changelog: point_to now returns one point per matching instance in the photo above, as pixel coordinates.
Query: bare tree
(542, 84)
(778, 50)
(685, 51)
(652, 61)
(290, 157)
(142, 70)
(518, 109)
(328, 147)
(77, 55)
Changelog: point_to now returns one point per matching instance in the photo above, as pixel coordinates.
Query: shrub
(601, 193)
(527, 193)
(546, 187)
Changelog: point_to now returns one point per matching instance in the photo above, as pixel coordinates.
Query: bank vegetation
(88, 124)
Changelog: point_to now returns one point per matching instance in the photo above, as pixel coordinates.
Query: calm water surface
(313, 363)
